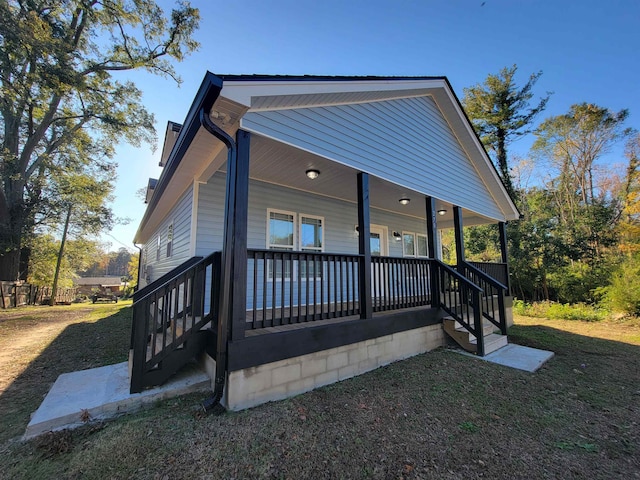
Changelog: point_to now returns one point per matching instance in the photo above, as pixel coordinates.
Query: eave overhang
(207, 95)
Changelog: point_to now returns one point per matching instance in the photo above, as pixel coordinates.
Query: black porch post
(459, 233)
(502, 228)
(364, 247)
(432, 231)
(239, 278)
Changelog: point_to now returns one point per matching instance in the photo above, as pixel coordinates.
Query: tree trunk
(54, 289)
(10, 243)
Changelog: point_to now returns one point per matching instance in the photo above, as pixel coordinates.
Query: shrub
(559, 311)
(623, 293)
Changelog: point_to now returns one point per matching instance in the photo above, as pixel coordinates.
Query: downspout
(139, 269)
(223, 325)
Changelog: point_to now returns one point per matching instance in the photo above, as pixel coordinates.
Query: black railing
(461, 299)
(286, 287)
(167, 318)
(497, 271)
(399, 283)
(492, 303)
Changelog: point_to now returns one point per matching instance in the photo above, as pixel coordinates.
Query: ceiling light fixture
(442, 211)
(313, 174)
(404, 201)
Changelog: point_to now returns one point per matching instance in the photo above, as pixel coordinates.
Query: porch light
(313, 174)
(404, 200)
(442, 211)
(397, 236)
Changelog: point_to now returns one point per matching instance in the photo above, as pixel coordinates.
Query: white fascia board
(242, 92)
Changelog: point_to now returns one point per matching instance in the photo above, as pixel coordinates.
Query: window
(421, 241)
(408, 244)
(158, 248)
(311, 233)
(169, 240)
(293, 231)
(280, 230)
(414, 245)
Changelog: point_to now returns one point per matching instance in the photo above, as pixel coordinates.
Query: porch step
(492, 341)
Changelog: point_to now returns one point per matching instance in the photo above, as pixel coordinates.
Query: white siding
(180, 216)
(406, 141)
(340, 217)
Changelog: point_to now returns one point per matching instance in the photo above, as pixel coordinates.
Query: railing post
(432, 231)
(139, 336)
(477, 321)
(364, 247)
(502, 228)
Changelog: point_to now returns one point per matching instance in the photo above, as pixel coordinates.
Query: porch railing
(492, 302)
(167, 321)
(497, 271)
(294, 287)
(399, 283)
(461, 299)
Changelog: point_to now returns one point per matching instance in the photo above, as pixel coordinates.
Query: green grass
(438, 415)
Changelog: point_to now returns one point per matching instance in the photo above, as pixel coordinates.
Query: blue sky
(587, 50)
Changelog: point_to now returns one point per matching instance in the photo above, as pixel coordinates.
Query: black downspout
(226, 264)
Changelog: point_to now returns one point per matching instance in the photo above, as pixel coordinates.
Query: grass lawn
(439, 415)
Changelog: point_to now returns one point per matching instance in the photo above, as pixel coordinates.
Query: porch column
(432, 231)
(233, 281)
(502, 229)
(364, 247)
(459, 233)
(239, 292)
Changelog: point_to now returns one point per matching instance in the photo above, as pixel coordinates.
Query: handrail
(487, 278)
(457, 275)
(492, 290)
(464, 303)
(167, 321)
(166, 278)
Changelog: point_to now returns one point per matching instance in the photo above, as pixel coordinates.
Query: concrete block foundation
(286, 378)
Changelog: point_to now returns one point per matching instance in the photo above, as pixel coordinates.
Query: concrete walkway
(99, 393)
(516, 356)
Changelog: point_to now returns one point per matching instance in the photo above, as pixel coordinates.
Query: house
(107, 284)
(292, 238)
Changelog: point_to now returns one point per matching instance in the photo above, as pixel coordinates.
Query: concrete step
(487, 327)
(492, 341)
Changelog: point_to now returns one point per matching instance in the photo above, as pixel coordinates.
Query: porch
(300, 304)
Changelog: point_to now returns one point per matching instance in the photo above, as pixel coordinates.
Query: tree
(57, 60)
(83, 199)
(45, 248)
(629, 224)
(501, 112)
(573, 143)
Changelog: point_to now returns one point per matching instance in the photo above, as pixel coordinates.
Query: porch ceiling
(280, 164)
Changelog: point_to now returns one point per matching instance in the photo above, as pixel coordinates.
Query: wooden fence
(14, 294)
